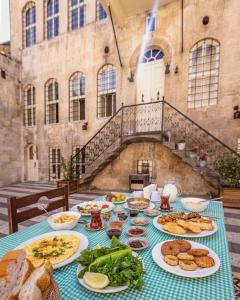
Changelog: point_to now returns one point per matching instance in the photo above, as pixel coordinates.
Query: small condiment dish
(137, 240)
(139, 221)
(139, 231)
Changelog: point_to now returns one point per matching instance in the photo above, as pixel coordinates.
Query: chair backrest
(15, 217)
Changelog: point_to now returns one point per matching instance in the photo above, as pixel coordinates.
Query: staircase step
(170, 145)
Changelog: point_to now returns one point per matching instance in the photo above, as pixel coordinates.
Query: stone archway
(160, 44)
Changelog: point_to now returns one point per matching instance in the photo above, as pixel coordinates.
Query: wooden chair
(15, 217)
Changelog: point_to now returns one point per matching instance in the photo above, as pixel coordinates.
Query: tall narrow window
(151, 22)
(238, 146)
(51, 102)
(54, 163)
(100, 11)
(51, 19)
(203, 73)
(30, 106)
(29, 25)
(79, 160)
(106, 91)
(77, 97)
(77, 14)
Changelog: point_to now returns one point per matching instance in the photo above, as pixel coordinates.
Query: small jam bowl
(66, 225)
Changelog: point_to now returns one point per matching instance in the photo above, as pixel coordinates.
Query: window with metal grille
(107, 81)
(151, 22)
(78, 161)
(100, 11)
(238, 146)
(151, 55)
(51, 102)
(203, 73)
(30, 106)
(77, 14)
(145, 167)
(77, 93)
(51, 19)
(54, 163)
(29, 25)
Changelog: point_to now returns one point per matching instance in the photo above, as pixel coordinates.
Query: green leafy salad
(116, 261)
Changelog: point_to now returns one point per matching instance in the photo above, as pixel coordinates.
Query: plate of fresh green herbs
(122, 266)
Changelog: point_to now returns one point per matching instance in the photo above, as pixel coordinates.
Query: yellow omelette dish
(56, 249)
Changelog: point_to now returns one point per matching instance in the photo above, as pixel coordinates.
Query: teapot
(172, 190)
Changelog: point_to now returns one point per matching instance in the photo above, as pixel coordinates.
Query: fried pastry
(170, 248)
(204, 261)
(191, 226)
(185, 256)
(171, 260)
(184, 246)
(198, 252)
(187, 265)
(174, 228)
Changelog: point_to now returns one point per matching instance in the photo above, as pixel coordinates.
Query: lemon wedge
(96, 280)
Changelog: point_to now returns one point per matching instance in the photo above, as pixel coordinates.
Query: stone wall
(11, 157)
(83, 50)
(165, 166)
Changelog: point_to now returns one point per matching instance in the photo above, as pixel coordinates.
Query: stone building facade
(88, 46)
(11, 156)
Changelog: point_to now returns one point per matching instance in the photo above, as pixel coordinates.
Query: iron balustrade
(156, 117)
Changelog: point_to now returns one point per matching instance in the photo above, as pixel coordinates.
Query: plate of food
(58, 247)
(23, 281)
(139, 204)
(116, 198)
(185, 224)
(97, 268)
(85, 208)
(186, 258)
(64, 220)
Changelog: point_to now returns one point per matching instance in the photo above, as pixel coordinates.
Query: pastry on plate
(191, 226)
(174, 228)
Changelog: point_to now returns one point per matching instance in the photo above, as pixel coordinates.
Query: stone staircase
(158, 122)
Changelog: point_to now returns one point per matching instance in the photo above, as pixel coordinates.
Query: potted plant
(202, 158)
(193, 151)
(181, 144)
(67, 172)
(228, 167)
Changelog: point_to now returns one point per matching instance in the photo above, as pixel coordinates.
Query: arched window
(30, 106)
(77, 14)
(77, 89)
(203, 73)
(51, 19)
(107, 82)
(51, 102)
(100, 11)
(152, 55)
(29, 25)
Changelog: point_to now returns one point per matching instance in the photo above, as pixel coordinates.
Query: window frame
(106, 91)
(55, 16)
(76, 162)
(56, 163)
(99, 8)
(203, 75)
(81, 4)
(32, 28)
(80, 98)
(30, 107)
(148, 20)
(51, 100)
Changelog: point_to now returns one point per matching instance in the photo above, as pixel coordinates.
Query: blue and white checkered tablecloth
(158, 284)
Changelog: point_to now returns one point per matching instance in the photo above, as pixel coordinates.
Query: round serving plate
(200, 272)
(110, 207)
(186, 235)
(151, 206)
(82, 245)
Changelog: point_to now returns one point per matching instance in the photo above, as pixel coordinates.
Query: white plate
(106, 290)
(110, 204)
(83, 244)
(151, 206)
(187, 235)
(200, 272)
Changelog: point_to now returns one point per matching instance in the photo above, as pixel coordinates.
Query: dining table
(158, 283)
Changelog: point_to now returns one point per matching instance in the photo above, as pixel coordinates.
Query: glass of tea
(96, 221)
(165, 205)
